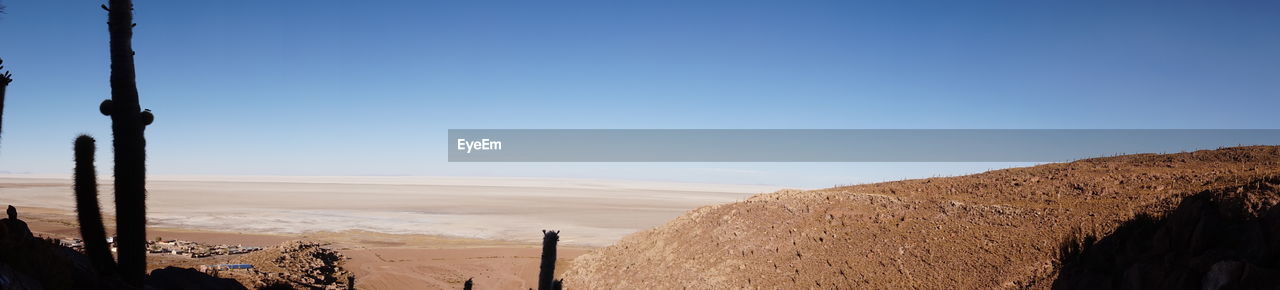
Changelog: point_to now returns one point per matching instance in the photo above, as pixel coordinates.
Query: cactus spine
(547, 272)
(127, 124)
(87, 211)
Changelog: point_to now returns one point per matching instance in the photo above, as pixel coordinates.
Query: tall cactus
(127, 124)
(5, 79)
(87, 211)
(547, 272)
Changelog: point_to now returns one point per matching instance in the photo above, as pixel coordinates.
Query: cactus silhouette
(87, 211)
(5, 79)
(547, 272)
(128, 122)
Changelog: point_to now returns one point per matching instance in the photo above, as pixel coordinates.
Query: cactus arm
(5, 79)
(88, 212)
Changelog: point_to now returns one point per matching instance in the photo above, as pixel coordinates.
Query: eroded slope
(1002, 228)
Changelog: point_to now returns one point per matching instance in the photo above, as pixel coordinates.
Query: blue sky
(338, 88)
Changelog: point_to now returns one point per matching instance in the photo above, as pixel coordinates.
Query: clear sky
(370, 87)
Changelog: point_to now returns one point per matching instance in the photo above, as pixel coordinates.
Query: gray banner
(833, 145)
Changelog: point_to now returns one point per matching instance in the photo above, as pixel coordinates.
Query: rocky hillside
(295, 265)
(1003, 228)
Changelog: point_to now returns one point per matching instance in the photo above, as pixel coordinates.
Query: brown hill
(1003, 228)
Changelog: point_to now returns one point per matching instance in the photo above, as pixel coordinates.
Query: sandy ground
(399, 232)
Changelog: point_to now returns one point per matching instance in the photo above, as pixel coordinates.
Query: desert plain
(397, 232)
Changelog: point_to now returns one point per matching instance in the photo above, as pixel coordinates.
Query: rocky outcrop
(12, 227)
(30, 262)
(299, 264)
